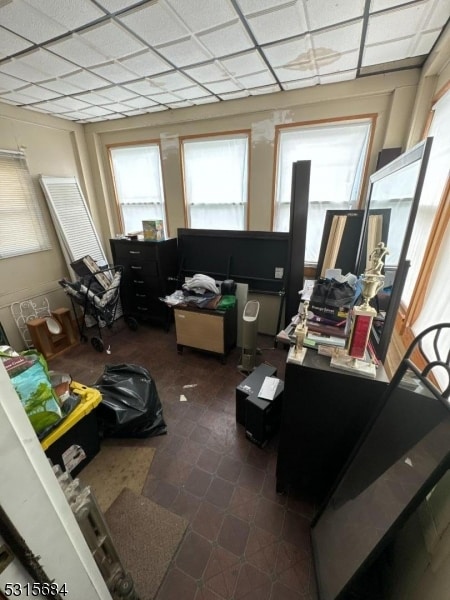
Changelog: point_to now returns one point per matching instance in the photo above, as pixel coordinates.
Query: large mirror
(396, 188)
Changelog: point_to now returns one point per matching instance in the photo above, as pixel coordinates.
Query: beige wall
(53, 147)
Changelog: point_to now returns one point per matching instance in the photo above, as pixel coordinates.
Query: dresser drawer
(138, 251)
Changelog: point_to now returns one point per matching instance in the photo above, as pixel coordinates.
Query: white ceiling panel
(132, 55)
(10, 43)
(279, 23)
(185, 53)
(68, 13)
(21, 18)
(114, 72)
(244, 64)
(155, 24)
(112, 40)
(395, 24)
(85, 80)
(257, 79)
(146, 63)
(75, 49)
(322, 13)
(199, 15)
(205, 73)
(134, 112)
(339, 39)
(97, 111)
(222, 87)
(395, 50)
(226, 40)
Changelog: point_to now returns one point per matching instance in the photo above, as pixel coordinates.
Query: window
(337, 152)
(216, 182)
(138, 184)
(22, 228)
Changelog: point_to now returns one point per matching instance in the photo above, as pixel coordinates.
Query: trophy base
(354, 365)
(296, 356)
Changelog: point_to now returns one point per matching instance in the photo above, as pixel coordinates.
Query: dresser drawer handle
(135, 251)
(138, 281)
(136, 268)
(141, 295)
(142, 307)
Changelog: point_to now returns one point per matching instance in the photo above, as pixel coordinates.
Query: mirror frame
(419, 153)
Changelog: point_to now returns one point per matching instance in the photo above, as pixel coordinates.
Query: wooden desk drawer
(200, 330)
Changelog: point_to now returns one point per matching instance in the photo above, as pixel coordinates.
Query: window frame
(117, 204)
(30, 205)
(371, 118)
(216, 136)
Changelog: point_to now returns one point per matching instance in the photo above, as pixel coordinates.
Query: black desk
(324, 413)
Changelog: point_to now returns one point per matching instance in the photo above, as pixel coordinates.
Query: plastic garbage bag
(130, 405)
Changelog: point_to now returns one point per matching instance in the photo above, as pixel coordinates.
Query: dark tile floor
(243, 541)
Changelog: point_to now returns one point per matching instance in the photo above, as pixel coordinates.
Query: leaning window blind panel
(74, 225)
(22, 226)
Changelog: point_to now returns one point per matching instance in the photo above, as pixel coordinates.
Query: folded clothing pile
(201, 291)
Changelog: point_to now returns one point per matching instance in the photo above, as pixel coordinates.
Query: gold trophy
(354, 357)
(298, 351)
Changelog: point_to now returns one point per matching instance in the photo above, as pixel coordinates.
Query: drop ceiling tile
(18, 69)
(140, 102)
(198, 15)
(93, 98)
(112, 40)
(116, 94)
(205, 100)
(338, 11)
(266, 89)
(23, 19)
(301, 83)
(278, 23)
(17, 98)
(165, 98)
(46, 62)
(180, 104)
(336, 77)
(8, 83)
(437, 14)
(206, 73)
(114, 72)
(85, 80)
(377, 5)
(395, 24)
(115, 5)
(424, 42)
(146, 63)
(171, 81)
(157, 108)
(135, 112)
(68, 13)
(155, 24)
(344, 62)
(72, 103)
(226, 40)
(339, 39)
(39, 93)
(294, 55)
(75, 49)
(249, 7)
(285, 75)
(194, 91)
(60, 86)
(11, 43)
(257, 79)
(387, 52)
(144, 87)
(51, 106)
(112, 117)
(75, 116)
(97, 111)
(244, 64)
(234, 95)
(184, 53)
(222, 87)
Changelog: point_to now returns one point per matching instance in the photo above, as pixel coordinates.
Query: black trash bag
(130, 406)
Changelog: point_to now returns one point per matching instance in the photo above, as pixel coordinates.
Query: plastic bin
(76, 441)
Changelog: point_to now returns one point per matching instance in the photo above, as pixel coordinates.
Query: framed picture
(3, 338)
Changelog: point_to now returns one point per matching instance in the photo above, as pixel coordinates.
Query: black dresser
(148, 265)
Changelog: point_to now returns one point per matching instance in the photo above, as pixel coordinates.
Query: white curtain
(216, 182)
(139, 187)
(435, 180)
(337, 153)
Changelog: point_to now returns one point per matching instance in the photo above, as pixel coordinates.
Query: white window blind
(337, 153)
(216, 182)
(138, 183)
(72, 219)
(433, 187)
(22, 227)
